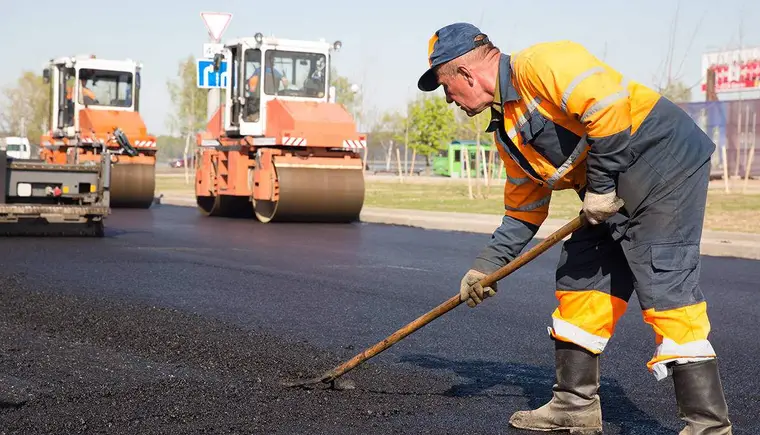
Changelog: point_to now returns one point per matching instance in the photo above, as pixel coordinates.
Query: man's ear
(466, 74)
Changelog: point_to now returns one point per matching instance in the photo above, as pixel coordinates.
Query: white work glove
(600, 207)
(471, 291)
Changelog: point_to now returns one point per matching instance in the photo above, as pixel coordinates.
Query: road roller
(90, 98)
(279, 147)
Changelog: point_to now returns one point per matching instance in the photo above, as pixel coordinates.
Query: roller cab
(91, 99)
(280, 148)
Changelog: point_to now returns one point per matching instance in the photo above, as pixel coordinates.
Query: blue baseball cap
(446, 44)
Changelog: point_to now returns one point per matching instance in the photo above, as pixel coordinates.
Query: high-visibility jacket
(85, 92)
(563, 119)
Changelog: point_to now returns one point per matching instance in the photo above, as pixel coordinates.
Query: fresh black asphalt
(178, 323)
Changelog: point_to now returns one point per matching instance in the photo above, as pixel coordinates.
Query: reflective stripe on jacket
(571, 122)
(563, 119)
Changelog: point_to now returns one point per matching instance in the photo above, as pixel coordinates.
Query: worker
(86, 95)
(562, 119)
(279, 77)
(252, 104)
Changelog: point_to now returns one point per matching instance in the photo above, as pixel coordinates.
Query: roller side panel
(222, 185)
(52, 199)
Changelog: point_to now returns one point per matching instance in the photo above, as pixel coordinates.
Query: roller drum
(132, 185)
(314, 194)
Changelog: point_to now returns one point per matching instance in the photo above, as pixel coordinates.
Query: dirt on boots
(575, 405)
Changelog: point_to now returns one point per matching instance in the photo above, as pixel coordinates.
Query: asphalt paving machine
(90, 99)
(62, 198)
(279, 147)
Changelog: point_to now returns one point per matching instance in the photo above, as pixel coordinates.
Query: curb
(714, 243)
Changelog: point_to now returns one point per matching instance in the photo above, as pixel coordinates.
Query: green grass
(725, 212)
(455, 198)
(733, 212)
(173, 184)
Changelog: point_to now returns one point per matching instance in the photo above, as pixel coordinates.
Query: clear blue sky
(384, 43)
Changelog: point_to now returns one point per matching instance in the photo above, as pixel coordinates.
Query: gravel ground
(83, 365)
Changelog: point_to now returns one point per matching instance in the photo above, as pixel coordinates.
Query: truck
(90, 98)
(62, 198)
(279, 147)
(16, 147)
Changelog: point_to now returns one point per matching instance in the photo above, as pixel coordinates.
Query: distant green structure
(449, 163)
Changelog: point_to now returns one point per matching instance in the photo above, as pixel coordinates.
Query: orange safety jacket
(253, 81)
(85, 92)
(563, 119)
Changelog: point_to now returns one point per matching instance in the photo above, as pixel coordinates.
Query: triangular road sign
(216, 23)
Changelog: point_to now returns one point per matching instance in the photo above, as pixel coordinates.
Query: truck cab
(16, 147)
(272, 68)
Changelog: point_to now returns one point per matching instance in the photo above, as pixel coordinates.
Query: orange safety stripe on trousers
(586, 318)
(680, 333)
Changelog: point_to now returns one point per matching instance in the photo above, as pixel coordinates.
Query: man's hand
(471, 291)
(600, 207)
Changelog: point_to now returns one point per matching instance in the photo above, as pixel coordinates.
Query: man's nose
(448, 98)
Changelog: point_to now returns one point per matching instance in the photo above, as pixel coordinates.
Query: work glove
(471, 291)
(599, 207)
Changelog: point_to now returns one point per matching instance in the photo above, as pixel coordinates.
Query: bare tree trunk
(738, 143)
(485, 173)
(750, 155)
(406, 143)
(489, 167)
(400, 172)
(414, 157)
(477, 167)
(466, 157)
(389, 157)
(364, 163)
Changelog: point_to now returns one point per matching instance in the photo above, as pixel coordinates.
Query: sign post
(216, 23)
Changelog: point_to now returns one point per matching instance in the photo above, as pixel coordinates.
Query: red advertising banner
(735, 70)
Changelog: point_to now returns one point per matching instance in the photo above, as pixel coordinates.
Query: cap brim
(428, 82)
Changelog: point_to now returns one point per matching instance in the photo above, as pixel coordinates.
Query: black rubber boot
(575, 405)
(700, 398)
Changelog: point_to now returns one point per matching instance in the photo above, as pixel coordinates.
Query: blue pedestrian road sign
(208, 78)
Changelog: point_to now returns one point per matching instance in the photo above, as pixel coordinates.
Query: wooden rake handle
(454, 301)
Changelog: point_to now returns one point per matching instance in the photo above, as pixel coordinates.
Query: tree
(387, 132)
(171, 147)
(473, 128)
(189, 101)
(190, 105)
(431, 125)
(676, 91)
(25, 107)
(345, 95)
